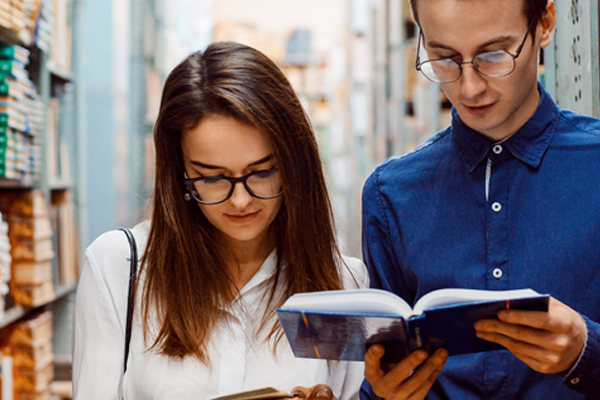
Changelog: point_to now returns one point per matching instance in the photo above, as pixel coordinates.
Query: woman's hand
(317, 392)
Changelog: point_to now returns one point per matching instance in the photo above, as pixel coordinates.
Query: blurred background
(350, 61)
(80, 85)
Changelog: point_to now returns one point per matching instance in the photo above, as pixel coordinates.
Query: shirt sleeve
(98, 331)
(378, 252)
(355, 276)
(585, 376)
(380, 244)
(354, 273)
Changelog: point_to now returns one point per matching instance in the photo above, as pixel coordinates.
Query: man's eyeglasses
(264, 184)
(494, 64)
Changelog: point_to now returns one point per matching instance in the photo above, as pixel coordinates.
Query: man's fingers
(373, 356)
(404, 368)
(496, 331)
(559, 317)
(424, 377)
(405, 377)
(516, 346)
(422, 390)
(414, 374)
(540, 359)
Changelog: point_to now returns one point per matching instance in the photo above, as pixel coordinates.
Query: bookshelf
(38, 160)
(17, 312)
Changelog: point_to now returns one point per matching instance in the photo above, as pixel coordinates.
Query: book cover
(347, 334)
(14, 52)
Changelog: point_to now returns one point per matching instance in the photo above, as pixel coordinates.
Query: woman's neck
(247, 258)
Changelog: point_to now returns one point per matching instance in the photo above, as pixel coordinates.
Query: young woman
(240, 221)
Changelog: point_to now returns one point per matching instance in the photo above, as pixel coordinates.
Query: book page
(259, 394)
(358, 301)
(446, 297)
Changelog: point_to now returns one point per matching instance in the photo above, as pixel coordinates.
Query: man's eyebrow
(496, 40)
(210, 166)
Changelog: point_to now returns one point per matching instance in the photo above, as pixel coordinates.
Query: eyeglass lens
(492, 63)
(262, 184)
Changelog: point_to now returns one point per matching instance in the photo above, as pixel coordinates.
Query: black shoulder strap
(131, 295)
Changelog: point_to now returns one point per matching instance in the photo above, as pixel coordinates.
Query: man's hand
(549, 342)
(404, 380)
(317, 392)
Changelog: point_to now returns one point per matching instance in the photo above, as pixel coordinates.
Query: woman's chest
(239, 361)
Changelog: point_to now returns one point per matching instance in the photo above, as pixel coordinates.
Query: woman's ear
(548, 25)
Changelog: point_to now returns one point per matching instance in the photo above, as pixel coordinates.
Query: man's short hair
(533, 9)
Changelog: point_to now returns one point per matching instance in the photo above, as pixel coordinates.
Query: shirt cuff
(584, 377)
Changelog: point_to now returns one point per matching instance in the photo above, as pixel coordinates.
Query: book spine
(418, 333)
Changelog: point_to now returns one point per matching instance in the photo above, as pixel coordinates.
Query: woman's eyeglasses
(264, 184)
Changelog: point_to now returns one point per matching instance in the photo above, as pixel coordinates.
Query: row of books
(21, 116)
(5, 262)
(43, 245)
(27, 359)
(13, 15)
(43, 23)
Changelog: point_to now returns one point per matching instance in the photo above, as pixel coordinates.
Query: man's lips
(478, 109)
(241, 218)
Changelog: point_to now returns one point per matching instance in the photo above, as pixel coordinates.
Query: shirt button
(496, 207)
(574, 381)
(497, 149)
(497, 273)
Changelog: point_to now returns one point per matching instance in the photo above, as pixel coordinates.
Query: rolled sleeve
(585, 376)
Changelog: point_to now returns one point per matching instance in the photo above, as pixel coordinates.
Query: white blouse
(240, 359)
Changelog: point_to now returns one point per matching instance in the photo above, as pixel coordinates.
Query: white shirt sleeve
(355, 276)
(354, 273)
(98, 324)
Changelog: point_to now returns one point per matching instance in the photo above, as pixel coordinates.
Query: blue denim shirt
(463, 212)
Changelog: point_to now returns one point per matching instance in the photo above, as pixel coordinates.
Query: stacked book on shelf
(42, 243)
(60, 35)
(28, 352)
(42, 19)
(66, 262)
(5, 263)
(21, 116)
(31, 239)
(12, 14)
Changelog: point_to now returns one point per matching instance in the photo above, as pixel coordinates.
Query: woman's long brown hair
(187, 281)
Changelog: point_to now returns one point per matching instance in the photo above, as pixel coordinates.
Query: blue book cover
(326, 328)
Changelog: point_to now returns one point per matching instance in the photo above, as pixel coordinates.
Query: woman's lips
(478, 109)
(242, 218)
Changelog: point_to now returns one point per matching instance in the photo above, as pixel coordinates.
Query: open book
(342, 324)
(259, 394)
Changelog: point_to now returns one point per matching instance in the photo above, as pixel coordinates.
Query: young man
(507, 197)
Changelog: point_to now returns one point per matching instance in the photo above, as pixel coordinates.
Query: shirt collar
(267, 269)
(528, 144)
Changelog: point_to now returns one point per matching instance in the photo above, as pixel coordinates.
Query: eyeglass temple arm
(531, 24)
(418, 58)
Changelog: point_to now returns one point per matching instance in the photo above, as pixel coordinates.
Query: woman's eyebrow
(210, 166)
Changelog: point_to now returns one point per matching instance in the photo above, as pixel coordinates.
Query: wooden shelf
(6, 183)
(60, 183)
(59, 72)
(14, 313)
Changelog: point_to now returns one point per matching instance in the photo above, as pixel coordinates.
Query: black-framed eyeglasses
(494, 64)
(263, 184)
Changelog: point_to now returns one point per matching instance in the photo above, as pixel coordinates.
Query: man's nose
(472, 82)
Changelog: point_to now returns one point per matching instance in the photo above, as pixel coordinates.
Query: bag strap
(131, 293)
